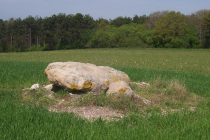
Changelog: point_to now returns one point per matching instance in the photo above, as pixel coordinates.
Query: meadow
(25, 121)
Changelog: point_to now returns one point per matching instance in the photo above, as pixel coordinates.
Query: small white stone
(192, 108)
(143, 84)
(146, 102)
(34, 87)
(164, 112)
(49, 87)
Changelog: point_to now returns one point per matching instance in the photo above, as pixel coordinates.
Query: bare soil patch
(91, 112)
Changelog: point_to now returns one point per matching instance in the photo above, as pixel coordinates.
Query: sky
(108, 9)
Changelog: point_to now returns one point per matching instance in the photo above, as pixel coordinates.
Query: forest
(161, 29)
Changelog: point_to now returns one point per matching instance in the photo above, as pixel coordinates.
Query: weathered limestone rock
(119, 87)
(86, 77)
(34, 87)
(49, 87)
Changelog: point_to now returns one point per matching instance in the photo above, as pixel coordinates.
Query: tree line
(161, 29)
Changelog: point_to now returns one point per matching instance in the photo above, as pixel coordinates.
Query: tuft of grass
(172, 88)
(127, 104)
(40, 97)
(60, 92)
(153, 109)
(168, 95)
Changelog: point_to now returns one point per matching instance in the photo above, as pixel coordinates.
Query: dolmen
(77, 76)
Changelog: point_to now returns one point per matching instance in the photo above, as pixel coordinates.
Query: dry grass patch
(167, 96)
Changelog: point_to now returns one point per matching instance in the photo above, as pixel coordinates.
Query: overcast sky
(108, 9)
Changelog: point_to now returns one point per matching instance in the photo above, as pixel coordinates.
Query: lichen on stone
(123, 90)
(74, 86)
(87, 85)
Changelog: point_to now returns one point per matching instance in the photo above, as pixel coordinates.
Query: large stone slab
(85, 77)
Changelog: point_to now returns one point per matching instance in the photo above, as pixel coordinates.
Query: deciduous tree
(206, 27)
(172, 31)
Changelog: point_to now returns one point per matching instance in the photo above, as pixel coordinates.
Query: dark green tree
(119, 21)
(3, 40)
(123, 36)
(101, 23)
(140, 19)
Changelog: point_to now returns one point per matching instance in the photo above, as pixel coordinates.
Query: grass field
(23, 121)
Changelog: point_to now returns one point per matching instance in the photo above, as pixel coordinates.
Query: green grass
(21, 74)
(181, 60)
(27, 122)
(24, 121)
(195, 82)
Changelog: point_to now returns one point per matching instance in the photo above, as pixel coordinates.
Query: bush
(123, 36)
